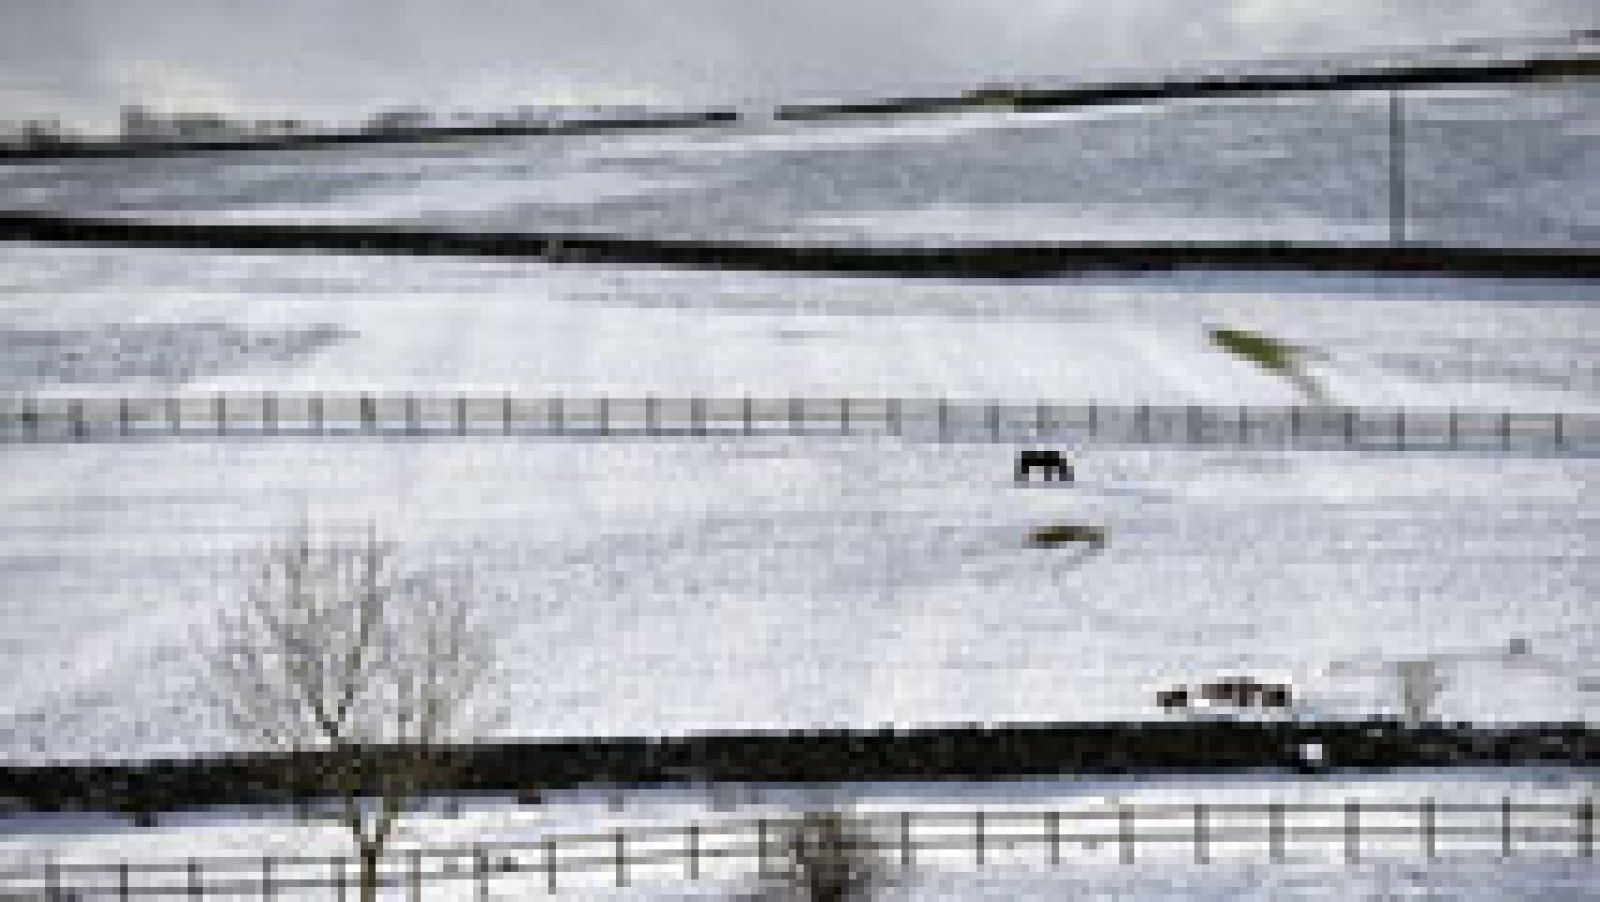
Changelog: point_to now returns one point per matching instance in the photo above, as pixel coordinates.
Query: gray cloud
(342, 58)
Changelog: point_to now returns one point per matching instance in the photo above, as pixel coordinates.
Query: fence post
(905, 841)
(605, 415)
(52, 881)
(266, 877)
(1142, 416)
(1192, 420)
(1505, 430)
(944, 419)
(1586, 828)
(1429, 843)
(694, 851)
(1054, 824)
(416, 875)
(316, 414)
(412, 426)
(891, 416)
(1275, 844)
(1352, 830)
(550, 865)
(30, 418)
(461, 415)
(977, 836)
(994, 422)
(1094, 419)
(761, 847)
(1455, 428)
(369, 415)
(483, 873)
(1400, 428)
(844, 416)
(1397, 170)
(1558, 424)
(1349, 426)
(75, 412)
(697, 416)
(1294, 423)
(1505, 827)
(558, 416)
(747, 413)
(1200, 840)
(338, 876)
(1244, 425)
(122, 880)
(1038, 420)
(269, 412)
(122, 416)
(622, 874)
(1125, 836)
(194, 878)
(794, 416)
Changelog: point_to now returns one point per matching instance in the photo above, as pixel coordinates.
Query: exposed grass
(1269, 354)
(1066, 534)
(1260, 349)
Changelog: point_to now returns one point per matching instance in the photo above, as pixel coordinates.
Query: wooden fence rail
(1352, 830)
(52, 418)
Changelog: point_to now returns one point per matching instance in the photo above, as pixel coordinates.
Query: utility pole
(1397, 170)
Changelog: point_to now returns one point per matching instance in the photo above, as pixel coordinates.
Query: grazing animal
(1234, 692)
(1240, 692)
(1276, 696)
(1176, 697)
(1051, 462)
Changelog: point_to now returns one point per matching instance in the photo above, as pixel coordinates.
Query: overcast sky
(81, 59)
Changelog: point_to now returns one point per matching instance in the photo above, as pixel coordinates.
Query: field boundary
(985, 261)
(899, 841)
(53, 418)
(920, 754)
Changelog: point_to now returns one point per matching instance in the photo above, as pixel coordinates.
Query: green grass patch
(1066, 534)
(1255, 347)
(1269, 354)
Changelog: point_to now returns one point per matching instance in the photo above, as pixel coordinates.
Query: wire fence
(53, 418)
(1350, 831)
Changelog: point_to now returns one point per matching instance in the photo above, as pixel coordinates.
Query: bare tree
(338, 657)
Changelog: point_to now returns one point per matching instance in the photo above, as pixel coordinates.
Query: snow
(1497, 167)
(1086, 806)
(534, 329)
(673, 586)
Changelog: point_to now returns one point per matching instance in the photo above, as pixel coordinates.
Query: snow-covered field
(668, 586)
(783, 582)
(674, 587)
(98, 320)
(581, 822)
(1505, 166)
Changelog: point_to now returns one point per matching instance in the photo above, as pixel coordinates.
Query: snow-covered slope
(98, 320)
(1504, 166)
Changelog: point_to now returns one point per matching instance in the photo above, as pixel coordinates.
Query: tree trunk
(368, 891)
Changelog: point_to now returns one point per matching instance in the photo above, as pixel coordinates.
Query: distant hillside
(1574, 55)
